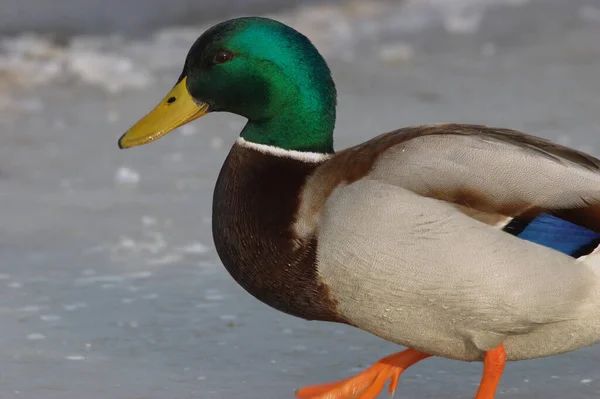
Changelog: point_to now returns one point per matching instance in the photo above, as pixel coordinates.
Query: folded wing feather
(503, 178)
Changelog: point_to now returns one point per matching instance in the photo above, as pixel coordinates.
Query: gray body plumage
(424, 273)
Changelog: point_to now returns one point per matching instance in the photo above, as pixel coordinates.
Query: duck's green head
(257, 68)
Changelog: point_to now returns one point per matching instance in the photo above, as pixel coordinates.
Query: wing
(500, 177)
(400, 222)
(531, 187)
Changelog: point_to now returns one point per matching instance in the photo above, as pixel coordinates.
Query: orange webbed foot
(369, 383)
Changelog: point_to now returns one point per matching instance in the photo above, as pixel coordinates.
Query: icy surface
(111, 284)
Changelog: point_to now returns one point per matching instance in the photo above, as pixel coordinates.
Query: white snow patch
(196, 248)
(151, 242)
(126, 175)
(167, 259)
(36, 337)
(75, 306)
(50, 317)
(112, 72)
(108, 286)
(31, 60)
(149, 220)
(112, 278)
(75, 357)
(14, 284)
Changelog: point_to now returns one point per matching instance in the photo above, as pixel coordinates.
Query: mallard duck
(467, 242)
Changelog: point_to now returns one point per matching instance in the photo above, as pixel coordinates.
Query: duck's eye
(222, 56)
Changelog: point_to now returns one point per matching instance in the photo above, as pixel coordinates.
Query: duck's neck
(299, 115)
(289, 132)
(254, 206)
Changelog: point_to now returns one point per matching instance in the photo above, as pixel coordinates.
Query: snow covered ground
(111, 287)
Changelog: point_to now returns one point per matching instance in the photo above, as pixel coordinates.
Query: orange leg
(493, 366)
(369, 383)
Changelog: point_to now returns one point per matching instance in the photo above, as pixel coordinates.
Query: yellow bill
(176, 109)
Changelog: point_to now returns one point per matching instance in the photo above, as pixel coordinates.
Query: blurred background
(110, 286)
